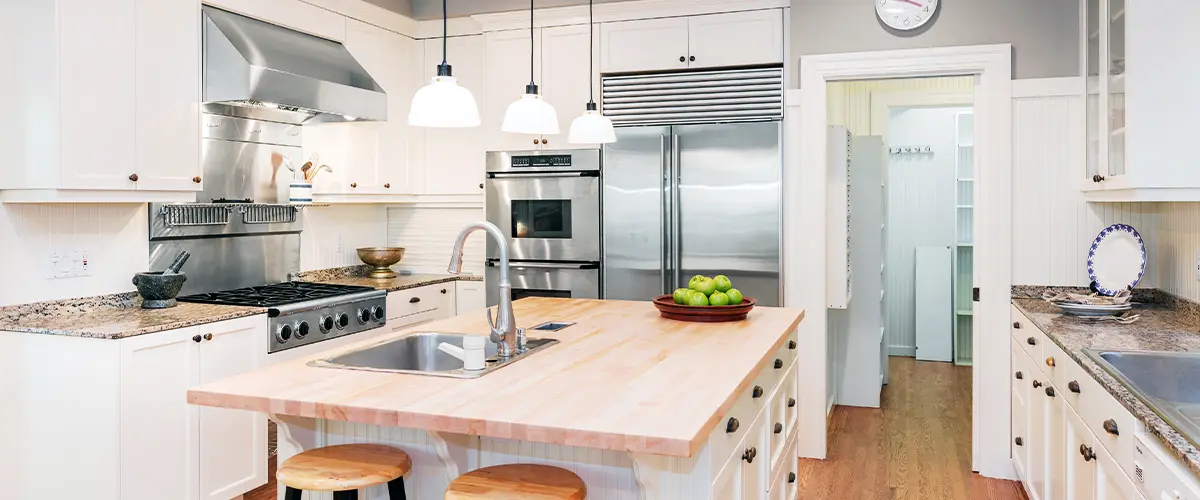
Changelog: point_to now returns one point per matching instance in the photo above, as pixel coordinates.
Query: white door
(1054, 422)
(565, 79)
(934, 303)
(1079, 468)
(168, 95)
(508, 67)
(651, 44)
(453, 159)
(159, 430)
(233, 443)
(735, 39)
(1111, 481)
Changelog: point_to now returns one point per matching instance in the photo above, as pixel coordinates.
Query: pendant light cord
(445, 30)
(591, 52)
(531, 49)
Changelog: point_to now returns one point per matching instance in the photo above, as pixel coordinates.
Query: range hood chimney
(257, 70)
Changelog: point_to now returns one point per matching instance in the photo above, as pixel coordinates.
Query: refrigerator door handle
(676, 251)
(665, 170)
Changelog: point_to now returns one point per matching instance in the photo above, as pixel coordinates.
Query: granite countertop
(114, 316)
(1167, 323)
(357, 275)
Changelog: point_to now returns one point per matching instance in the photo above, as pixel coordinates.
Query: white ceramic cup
(300, 193)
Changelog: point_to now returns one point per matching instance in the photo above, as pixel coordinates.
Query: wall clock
(905, 14)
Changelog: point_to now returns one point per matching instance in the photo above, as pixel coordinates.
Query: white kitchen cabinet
(451, 161)
(728, 485)
(707, 41)
(756, 468)
(370, 158)
(1036, 466)
(1079, 471)
(104, 101)
(507, 73)
(232, 443)
(418, 305)
(1111, 482)
(1139, 102)
(566, 79)
(1020, 413)
(470, 296)
(1055, 431)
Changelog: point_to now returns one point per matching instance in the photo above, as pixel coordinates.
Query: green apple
(697, 299)
(718, 299)
(735, 296)
(681, 295)
(706, 286)
(695, 279)
(723, 283)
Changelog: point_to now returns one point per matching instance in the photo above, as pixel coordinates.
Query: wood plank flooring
(917, 446)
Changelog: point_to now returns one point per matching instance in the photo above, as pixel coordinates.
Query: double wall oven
(548, 204)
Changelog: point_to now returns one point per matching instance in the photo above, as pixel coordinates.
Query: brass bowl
(381, 259)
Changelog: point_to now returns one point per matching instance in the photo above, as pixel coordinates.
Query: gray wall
(404, 7)
(1044, 33)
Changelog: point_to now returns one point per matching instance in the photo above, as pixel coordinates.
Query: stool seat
(344, 467)
(517, 481)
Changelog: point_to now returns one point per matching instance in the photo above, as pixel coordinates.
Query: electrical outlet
(85, 267)
(1197, 265)
(54, 265)
(338, 251)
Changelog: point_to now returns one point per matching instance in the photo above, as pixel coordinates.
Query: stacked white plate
(1093, 309)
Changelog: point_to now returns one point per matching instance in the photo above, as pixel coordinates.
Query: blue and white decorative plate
(1117, 259)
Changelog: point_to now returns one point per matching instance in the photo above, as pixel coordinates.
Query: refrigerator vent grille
(736, 95)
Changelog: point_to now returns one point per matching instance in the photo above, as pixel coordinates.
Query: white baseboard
(902, 350)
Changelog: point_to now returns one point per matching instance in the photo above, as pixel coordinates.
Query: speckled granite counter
(1167, 324)
(112, 316)
(357, 275)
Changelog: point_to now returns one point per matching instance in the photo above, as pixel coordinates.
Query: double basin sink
(1168, 382)
(418, 354)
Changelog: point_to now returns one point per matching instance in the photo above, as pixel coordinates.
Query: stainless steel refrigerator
(693, 199)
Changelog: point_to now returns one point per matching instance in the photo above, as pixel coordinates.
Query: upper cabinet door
(651, 44)
(735, 39)
(167, 114)
(566, 79)
(453, 158)
(507, 74)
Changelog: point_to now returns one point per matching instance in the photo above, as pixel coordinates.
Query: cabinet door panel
(507, 73)
(454, 158)
(1111, 481)
(159, 430)
(736, 39)
(469, 297)
(96, 78)
(1036, 467)
(1079, 473)
(1056, 451)
(728, 484)
(233, 443)
(565, 79)
(756, 472)
(651, 44)
(168, 95)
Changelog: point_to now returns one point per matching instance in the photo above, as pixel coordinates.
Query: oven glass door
(546, 216)
(577, 280)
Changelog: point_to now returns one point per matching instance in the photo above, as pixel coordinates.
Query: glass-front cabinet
(1143, 152)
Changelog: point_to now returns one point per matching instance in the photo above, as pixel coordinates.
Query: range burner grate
(275, 295)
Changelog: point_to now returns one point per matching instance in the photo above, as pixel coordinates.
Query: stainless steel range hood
(254, 69)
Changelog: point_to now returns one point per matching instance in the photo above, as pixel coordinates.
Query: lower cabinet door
(1079, 476)
(756, 466)
(233, 443)
(728, 484)
(1111, 481)
(1035, 469)
(1056, 453)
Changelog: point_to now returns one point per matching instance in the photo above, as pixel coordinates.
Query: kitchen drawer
(784, 485)
(745, 411)
(1054, 363)
(419, 305)
(1113, 425)
(788, 351)
(1075, 380)
(1026, 334)
(779, 428)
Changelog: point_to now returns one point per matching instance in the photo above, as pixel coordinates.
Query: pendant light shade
(591, 127)
(444, 103)
(530, 114)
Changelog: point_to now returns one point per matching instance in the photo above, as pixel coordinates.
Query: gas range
(303, 313)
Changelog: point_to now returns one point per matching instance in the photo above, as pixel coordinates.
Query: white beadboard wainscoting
(332, 233)
(114, 236)
(427, 235)
(1172, 253)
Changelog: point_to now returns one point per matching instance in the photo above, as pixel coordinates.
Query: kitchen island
(636, 405)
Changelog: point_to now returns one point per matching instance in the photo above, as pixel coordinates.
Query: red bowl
(702, 314)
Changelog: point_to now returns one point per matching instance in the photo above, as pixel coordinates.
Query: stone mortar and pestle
(158, 289)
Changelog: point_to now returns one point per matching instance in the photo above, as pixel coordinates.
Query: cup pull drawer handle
(732, 426)
(1073, 386)
(1110, 426)
(414, 300)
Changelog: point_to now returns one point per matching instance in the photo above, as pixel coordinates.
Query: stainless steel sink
(418, 354)
(1168, 382)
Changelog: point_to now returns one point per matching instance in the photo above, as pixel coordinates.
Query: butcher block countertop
(622, 378)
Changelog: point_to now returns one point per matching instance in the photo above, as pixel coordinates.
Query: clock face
(905, 14)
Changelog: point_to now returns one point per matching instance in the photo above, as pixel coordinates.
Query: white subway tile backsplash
(332, 233)
(427, 234)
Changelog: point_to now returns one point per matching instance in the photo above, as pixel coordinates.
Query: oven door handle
(536, 175)
(547, 265)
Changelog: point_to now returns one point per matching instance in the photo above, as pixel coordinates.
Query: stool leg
(345, 495)
(291, 493)
(396, 489)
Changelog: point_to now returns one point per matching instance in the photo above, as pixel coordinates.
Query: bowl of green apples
(706, 300)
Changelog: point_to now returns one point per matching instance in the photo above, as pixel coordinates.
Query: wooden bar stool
(517, 481)
(343, 469)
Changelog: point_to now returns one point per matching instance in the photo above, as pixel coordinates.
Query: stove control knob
(284, 334)
(301, 330)
(377, 313)
(364, 316)
(343, 320)
(326, 324)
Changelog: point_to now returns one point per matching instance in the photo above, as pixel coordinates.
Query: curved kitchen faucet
(504, 329)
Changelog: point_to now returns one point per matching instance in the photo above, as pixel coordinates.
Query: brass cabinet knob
(196, 179)
(1073, 386)
(353, 184)
(1050, 361)
(732, 425)
(208, 336)
(544, 140)
(133, 177)
(1036, 384)
(749, 455)
(1097, 178)
(535, 141)
(1110, 426)
(1087, 452)
(1050, 391)
(387, 185)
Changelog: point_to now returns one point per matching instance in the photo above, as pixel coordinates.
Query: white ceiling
(432, 9)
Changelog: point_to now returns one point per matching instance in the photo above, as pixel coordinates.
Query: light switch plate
(1197, 265)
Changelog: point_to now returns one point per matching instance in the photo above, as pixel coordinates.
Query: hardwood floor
(917, 446)
(266, 491)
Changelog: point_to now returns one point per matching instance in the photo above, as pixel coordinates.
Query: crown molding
(621, 11)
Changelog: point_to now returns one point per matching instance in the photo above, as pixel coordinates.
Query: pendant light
(591, 127)
(444, 103)
(530, 114)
